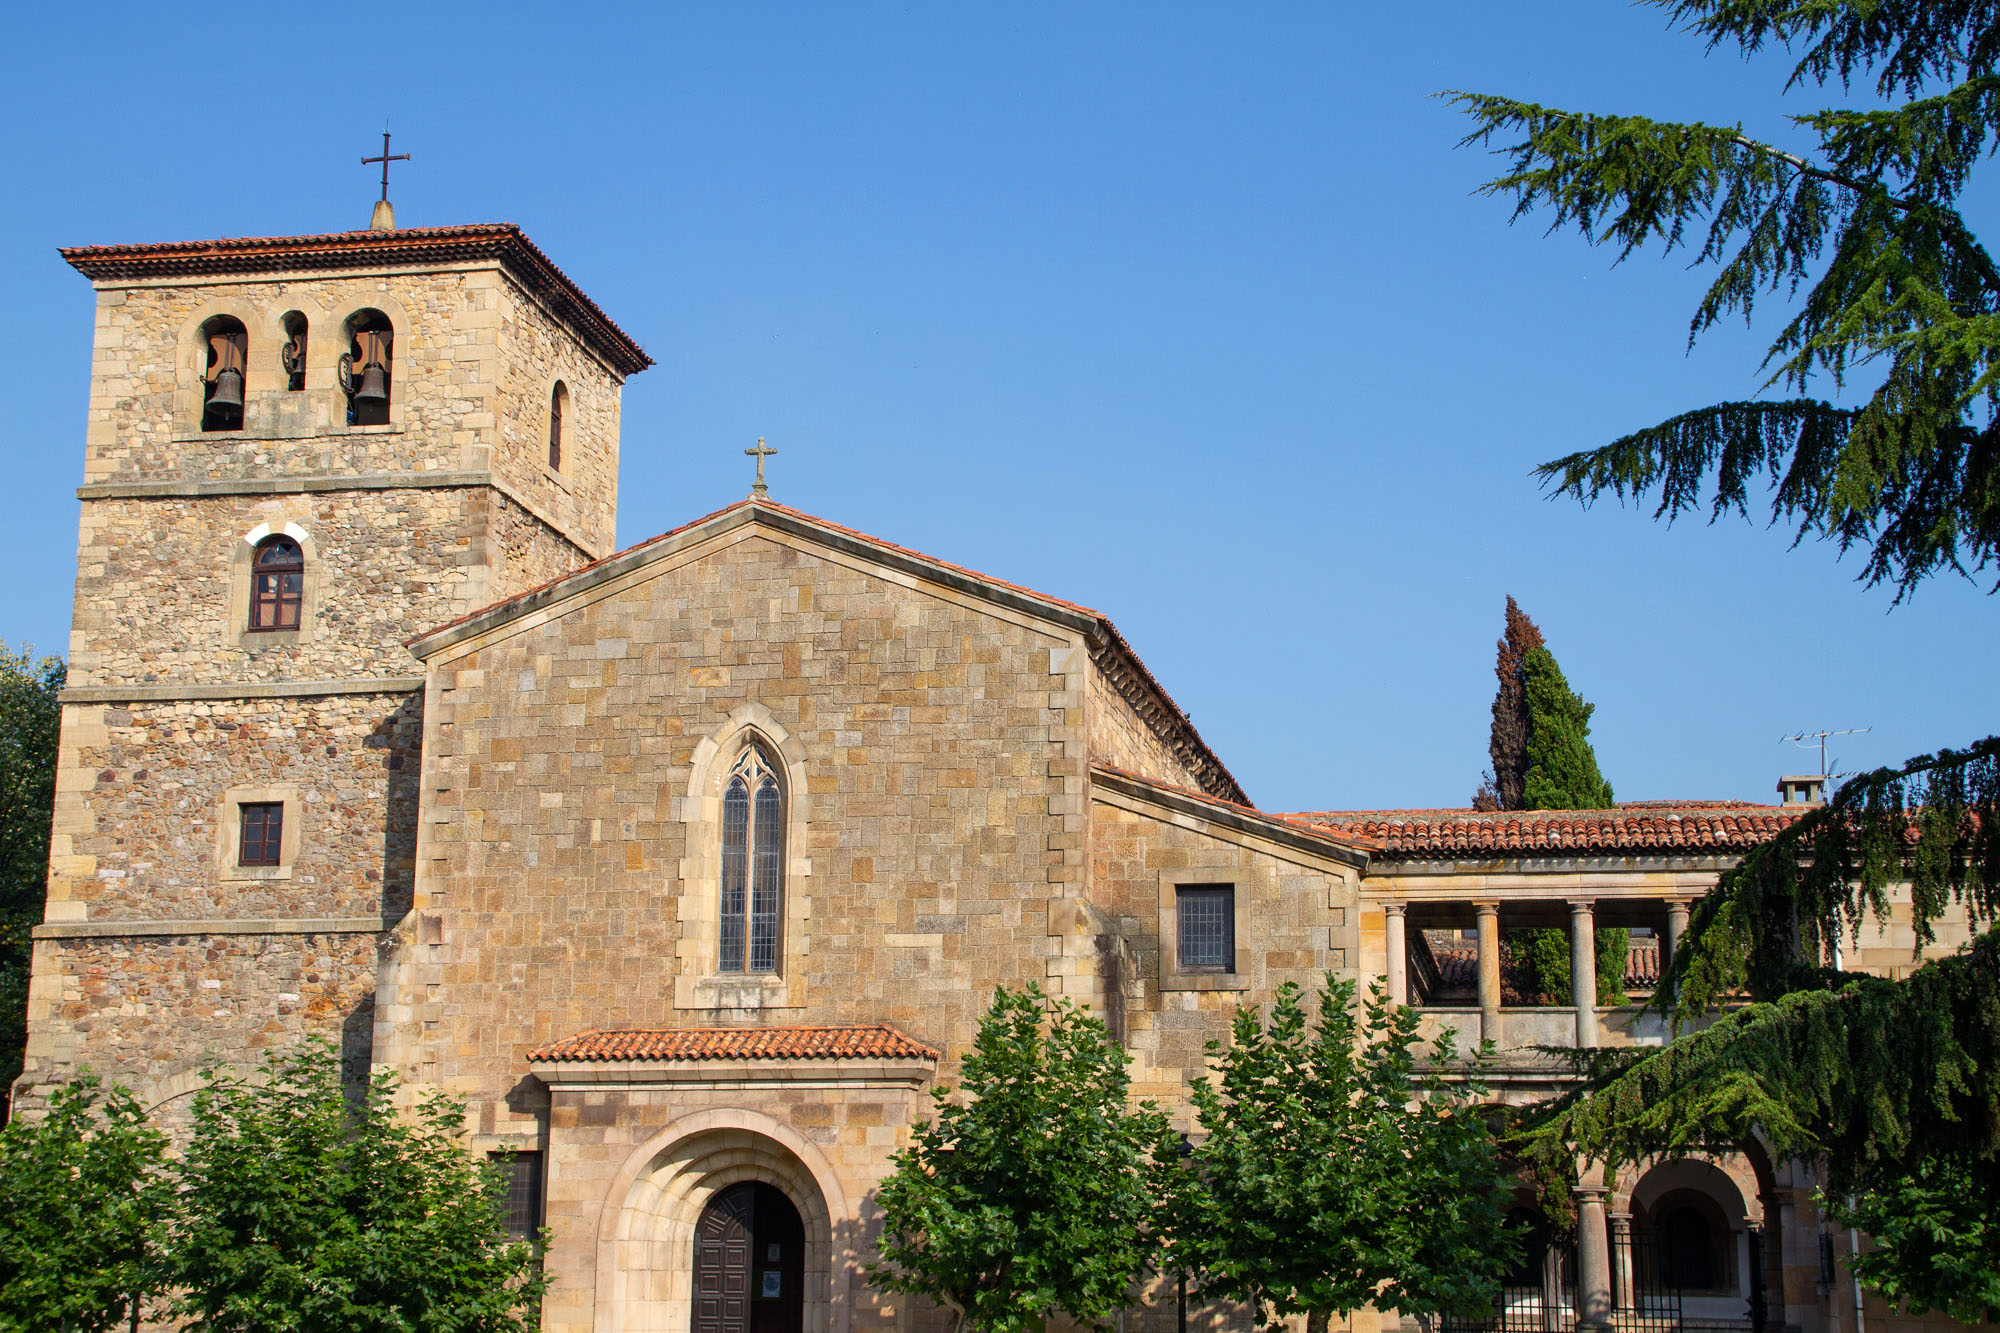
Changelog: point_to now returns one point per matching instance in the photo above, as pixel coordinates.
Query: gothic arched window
(277, 584)
(753, 856)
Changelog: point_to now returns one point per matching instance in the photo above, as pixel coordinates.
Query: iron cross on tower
(760, 453)
(385, 160)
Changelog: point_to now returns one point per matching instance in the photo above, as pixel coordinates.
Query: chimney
(1802, 789)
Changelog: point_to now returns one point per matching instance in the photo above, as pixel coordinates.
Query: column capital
(1579, 906)
(1395, 907)
(1486, 906)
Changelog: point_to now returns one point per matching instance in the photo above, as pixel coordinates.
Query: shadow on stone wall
(402, 735)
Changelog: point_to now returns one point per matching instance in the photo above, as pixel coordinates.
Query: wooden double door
(749, 1263)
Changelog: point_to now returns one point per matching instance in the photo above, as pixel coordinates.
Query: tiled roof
(408, 247)
(872, 1041)
(1644, 826)
(1172, 717)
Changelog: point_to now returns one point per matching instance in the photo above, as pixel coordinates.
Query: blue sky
(1187, 312)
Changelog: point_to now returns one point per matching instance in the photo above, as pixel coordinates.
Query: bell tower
(300, 451)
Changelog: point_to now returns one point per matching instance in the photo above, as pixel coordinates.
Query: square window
(263, 833)
(1207, 926)
(522, 1172)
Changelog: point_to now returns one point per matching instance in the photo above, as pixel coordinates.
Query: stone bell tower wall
(160, 948)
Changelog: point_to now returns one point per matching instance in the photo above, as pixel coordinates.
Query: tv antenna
(1807, 740)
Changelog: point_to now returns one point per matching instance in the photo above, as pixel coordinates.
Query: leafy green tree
(301, 1212)
(30, 717)
(1542, 962)
(1507, 745)
(82, 1192)
(1562, 767)
(1037, 1192)
(1862, 235)
(1335, 1173)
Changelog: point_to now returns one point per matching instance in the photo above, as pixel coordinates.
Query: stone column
(1593, 1253)
(1489, 971)
(1621, 1261)
(1396, 941)
(1583, 972)
(1670, 947)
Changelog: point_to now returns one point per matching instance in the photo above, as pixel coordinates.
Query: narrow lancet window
(558, 407)
(753, 876)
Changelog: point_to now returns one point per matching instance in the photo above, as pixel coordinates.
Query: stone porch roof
(868, 1041)
(411, 247)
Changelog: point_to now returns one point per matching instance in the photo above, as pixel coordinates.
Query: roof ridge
(1115, 640)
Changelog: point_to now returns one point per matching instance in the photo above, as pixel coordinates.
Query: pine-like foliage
(1862, 235)
(30, 717)
(1039, 1191)
(1333, 1174)
(1893, 1086)
(1562, 766)
(1508, 747)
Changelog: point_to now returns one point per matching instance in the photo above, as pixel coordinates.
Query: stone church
(692, 864)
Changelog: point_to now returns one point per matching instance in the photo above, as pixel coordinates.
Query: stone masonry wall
(157, 595)
(148, 1011)
(1294, 919)
(936, 746)
(142, 788)
(535, 352)
(1123, 739)
(145, 403)
(522, 551)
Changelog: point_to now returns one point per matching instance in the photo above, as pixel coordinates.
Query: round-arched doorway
(749, 1262)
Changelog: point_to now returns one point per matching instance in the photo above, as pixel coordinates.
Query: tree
(1889, 1084)
(1896, 286)
(82, 1191)
(1039, 1190)
(30, 717)
(1893, 1086)
(1334, 1174)
(1562, 767)
(1541, 961)
(300, 1212)
(1508, 746)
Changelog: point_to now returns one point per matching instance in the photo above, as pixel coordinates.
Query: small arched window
(367, 368)
(753, 853)
(277, 584)
(292, 356)
(225, 351)
(558, 408)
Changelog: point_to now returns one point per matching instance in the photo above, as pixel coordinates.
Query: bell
(228, 389)
(372, 389)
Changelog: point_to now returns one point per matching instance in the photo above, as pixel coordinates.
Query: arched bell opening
(226, 353)
(292, 354)
(367, 368)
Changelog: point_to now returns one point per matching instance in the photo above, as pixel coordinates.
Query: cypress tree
(1503, 787)
(1562, 768)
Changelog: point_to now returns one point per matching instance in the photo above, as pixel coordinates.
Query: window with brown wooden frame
(277, 584)
(263, 824)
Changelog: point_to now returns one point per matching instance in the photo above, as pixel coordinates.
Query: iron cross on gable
(385, 160)
(760, 453)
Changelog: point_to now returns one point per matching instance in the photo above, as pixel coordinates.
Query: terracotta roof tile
(873, 1041)
(1643, 826)
(502, 241)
